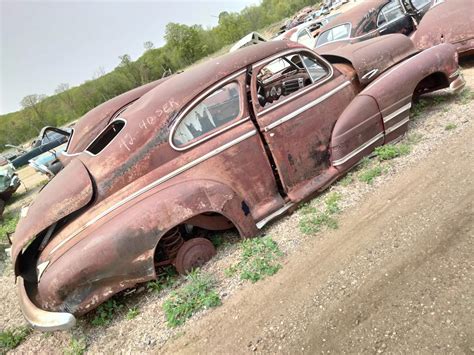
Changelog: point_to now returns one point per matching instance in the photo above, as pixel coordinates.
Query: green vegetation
(369, 175)
(465, 96)
(259, 259)
(196, 294)
(132, 312)
(413, 138)
(77, 346)
(314, 220)
(184, 46)
(166, 279)
(418, 108)
(347, 180)
(8, 226)
(10, 339)
(389, 151)
(450, 127)
(106, 312)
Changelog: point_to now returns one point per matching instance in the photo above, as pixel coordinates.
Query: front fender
(119, 253)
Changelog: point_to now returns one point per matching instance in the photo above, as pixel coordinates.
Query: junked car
(48, 138)
(9, 182)
(234, 142)
(372, 18)
(48, 163)
(447, 21)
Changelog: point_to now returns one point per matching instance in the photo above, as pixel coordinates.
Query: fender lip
(39, 318)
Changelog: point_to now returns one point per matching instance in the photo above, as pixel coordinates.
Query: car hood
(372, 57)
(69, 191)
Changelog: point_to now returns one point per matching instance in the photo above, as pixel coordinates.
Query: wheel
(193, 253)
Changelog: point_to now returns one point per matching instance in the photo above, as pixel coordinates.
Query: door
(297, 99)
(392, 19)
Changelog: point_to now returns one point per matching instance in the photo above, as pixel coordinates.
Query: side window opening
(216, 110)
(389, 12)
(107, 136)
(287, 75)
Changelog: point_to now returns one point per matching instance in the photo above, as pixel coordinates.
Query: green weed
(413, 138)
(10, 339)
(166, 279)
(77, 346)
(197, 294)
(132, 313)
(259, 259)
(389, 151)
(369, 175)
(346, 180)
(106, 312)
(332, 203)
(450, 127)
(8, 226)
(418, 108)
(466, 96)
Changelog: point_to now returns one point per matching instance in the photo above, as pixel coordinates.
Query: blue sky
(45, 43)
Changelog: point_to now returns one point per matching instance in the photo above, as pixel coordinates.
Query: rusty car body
(448, 21)
(231, 143)
(372, 18)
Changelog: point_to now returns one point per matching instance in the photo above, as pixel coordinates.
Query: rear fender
(394, 89)
(356, 133)
(119, 254)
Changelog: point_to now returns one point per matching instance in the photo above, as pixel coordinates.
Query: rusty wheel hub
(194, 253)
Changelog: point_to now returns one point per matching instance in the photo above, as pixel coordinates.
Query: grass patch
(466, 96)
(418, 108)
(8, 226)
(390, 151)
(197, 294)
(106, 312)
(132, 313)
(413, 138)
(369, 175)
(77, 346)
(347, 180)
(166, 279)
(259, 259)
(10, 339)
(450, 127)
(314, 220)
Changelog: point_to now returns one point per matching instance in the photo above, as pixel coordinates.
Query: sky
(45, 43)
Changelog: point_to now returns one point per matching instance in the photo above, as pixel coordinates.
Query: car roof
(355, 14)
(183, 87)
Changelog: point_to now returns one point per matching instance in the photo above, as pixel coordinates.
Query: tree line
(184, 46)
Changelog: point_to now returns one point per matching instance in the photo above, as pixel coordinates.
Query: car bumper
(41, 319)
(457, 85)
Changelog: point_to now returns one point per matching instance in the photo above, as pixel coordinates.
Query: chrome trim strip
(306, 107)
(456, 73)
(193, 103)
(397, 126)
(397, 112)
(395, 103)
(273, 215)
(156, 183)
(357, 150)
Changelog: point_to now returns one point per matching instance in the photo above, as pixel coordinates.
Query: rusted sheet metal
(71, 190)
(135, 202)
(371, 58)
(450, 21)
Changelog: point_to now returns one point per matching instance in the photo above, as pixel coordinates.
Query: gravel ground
(148, 331)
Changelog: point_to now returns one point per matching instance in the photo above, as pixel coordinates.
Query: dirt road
(397, 276)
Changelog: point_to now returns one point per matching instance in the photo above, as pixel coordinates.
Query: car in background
(9, 182)
(48, 163)
(372, 18)
(447, 21)
(48, 138)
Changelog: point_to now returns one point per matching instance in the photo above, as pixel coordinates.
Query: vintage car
(48, 163)
(234, 142)
(372, 18)
(9, 182)
(447, 21)
(48, 138)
